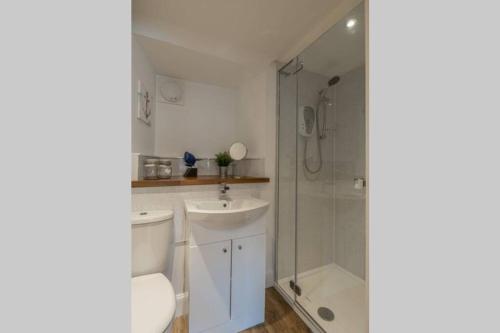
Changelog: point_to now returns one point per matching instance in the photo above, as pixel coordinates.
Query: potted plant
(223, 160)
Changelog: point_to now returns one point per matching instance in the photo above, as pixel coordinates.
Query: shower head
(334, 80)
(322, 93)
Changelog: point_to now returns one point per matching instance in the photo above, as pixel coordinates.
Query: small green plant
(223, 159)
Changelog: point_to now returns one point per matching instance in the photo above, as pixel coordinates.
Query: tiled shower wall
(330, 211)
(350, 243)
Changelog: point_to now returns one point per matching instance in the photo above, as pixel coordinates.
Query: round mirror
(238, 151)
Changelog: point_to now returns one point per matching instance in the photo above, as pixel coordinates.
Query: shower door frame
(299, 309)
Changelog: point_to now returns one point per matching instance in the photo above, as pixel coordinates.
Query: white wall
(256, 124)
(142, 134)
(204, 125)
(251, 121)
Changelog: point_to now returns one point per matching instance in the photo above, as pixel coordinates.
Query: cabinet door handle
(240, 247)
(224, 250)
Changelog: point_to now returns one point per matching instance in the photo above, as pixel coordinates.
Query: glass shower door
(330, 229)
(330, 192)
(315, 189)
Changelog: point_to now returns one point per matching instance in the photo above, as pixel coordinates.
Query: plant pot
(223, 171)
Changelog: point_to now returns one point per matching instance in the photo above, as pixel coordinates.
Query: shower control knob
(359, 183)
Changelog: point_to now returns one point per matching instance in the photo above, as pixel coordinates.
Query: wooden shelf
(200, 180)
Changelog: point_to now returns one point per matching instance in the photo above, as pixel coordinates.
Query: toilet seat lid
(153, 303)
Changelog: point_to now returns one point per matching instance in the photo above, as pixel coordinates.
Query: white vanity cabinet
(227, 285)
(209, 285)
(226, 262)
(248, 281)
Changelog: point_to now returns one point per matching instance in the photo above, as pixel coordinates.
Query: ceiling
(221, 41)
(179, 62)
(338, 50)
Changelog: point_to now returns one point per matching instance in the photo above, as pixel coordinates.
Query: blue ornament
(189, 159)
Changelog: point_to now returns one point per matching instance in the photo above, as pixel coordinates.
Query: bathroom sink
(223, 214)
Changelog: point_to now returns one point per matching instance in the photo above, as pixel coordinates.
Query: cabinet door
(248, 281)
(209, 285)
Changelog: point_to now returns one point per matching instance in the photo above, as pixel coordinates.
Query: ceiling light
(351, 23)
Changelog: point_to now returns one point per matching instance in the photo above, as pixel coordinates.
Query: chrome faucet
(223, 192)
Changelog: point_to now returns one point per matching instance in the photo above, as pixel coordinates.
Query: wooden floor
(280, 318)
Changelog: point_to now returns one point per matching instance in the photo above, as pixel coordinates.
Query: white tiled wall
(350, 163)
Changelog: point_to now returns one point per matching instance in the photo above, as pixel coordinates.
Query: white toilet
(153, 298)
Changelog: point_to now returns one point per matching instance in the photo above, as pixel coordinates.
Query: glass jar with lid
(164, 169)
(151, 168)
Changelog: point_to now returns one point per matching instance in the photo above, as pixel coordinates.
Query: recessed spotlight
(351, 23)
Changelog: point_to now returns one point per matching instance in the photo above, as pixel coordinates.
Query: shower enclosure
(321, 241)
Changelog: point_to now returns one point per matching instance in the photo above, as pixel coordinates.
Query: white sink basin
(224, 214)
